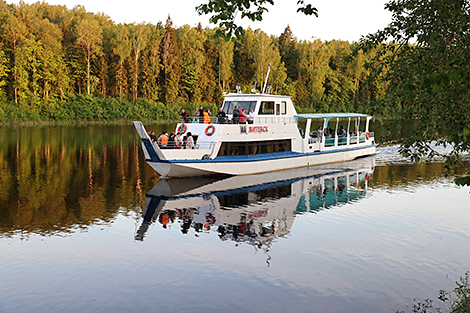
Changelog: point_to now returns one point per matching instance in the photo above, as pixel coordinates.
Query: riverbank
(92, 110)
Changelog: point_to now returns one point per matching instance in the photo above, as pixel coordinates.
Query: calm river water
(87, 226)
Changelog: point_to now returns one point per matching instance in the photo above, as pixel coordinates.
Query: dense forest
(58, 64)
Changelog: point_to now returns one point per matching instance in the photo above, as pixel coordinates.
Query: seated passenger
(163, 140)
(341, 132)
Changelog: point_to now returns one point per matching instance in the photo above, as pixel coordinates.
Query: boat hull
(256, 164)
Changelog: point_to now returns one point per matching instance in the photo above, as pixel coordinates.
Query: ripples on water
(85, 225)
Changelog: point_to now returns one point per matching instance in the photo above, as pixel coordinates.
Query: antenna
(267, 75)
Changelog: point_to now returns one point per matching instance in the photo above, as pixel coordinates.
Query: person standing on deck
(201, 114)
(189, 141)
(242, 118)
(236, 115)
(207, 118)
(221, 116)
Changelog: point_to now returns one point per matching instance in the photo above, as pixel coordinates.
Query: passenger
(201, 114)
(178, 140)
(163, 140)
(236, 115)
(189, 141)
(326, 133)
(196, 114)
(251, 117)
(207, 118)
(184, 116)
(153, 137)
(221, 116)
(242, 118)
(341, 131)
(171, 141)
(184, 142)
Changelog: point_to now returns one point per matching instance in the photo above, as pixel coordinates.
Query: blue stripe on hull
(261, 157)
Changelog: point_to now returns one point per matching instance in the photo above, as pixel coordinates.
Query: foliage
(458, 299)
(224, 13)
(427, 70)
(50, 55)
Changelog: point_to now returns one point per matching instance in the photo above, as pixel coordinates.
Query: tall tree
(15, 32)
(89, 38)
(122, 48)
(138, 39)
(289, 53)
(171, 58)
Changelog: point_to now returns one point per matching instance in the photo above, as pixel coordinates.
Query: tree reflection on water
(55, 180)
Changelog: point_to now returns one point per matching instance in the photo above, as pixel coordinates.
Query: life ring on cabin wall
(182, 128)
(210, 130)
(367, 177)
(367, 135)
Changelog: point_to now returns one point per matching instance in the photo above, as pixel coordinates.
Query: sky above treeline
(338, 19)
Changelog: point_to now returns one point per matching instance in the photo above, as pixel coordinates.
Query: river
(87, 226)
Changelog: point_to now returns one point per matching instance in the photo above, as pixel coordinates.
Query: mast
(266, 81)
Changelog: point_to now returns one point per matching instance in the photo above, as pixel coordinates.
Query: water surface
(87, 226)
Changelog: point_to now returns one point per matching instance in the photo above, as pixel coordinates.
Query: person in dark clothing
(201, 114)
(153, 137)
(184, 116)
(221, 117)
(171, 141)
(236, 115)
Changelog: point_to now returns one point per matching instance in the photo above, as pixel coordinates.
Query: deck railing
(257, 120)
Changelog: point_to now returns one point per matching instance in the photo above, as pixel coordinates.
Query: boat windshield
(247, 105)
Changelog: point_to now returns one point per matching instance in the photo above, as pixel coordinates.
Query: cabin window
(278, 109)
(266, 107)
(230, 105)
(254, 147)
(283, 108)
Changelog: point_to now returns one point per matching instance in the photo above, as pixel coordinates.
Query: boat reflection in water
(254, 209)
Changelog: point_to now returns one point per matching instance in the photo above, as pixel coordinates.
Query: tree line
(64, 65)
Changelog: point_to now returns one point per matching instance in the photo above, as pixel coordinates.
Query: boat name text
(258, 129)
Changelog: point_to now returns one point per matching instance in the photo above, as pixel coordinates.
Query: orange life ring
(367, 176)
(210, 130)
(182, 128)
(367, 135)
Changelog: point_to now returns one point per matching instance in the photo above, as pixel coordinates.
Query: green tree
(138, 40)
(224, 12)
(122, 48)
(151, 63)
(15, 31)
(428, 70)
(89, 38)
(289, 53)
(225, 50)
(171, 58)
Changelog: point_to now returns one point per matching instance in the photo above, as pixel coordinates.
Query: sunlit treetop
(224, 13)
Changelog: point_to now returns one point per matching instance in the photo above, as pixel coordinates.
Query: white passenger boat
(276, 139)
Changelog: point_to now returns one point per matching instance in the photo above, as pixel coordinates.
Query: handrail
(256, 120)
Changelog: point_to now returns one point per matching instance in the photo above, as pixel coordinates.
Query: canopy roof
(329, 115)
